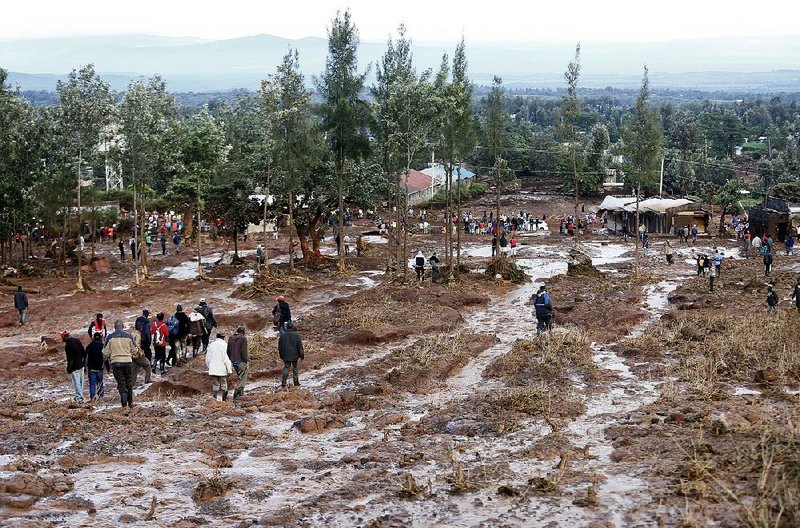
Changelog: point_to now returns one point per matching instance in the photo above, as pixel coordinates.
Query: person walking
(544, 310)
(121, 247)
(219, 367)
(98, 324)
(197, 329)
(139, 359)
(281, 313)
(181, 333)
(718, 257)
(76, 357)
(361, 245)
(132, 244)
(694, 234)
(160, 335)
(119, 351)
(163, 239)
(668, 251)
(142, 324)
(789, 244)
(346, 241)
(208, 320)
(772, 299)
(767, 262)
(755, 242)
(95, 362)
(434, 262)
(176, 241)
(290, 349)
(21, 304)
(237, 353)
(419, 265)
(513, 245)
(747, 244)
(796, 294)
(712, 273)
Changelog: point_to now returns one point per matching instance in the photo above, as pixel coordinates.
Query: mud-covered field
(653, 402)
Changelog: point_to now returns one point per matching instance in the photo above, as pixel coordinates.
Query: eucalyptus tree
(86, 105)
(643, 139)
(496, 124)
(570, 111)
(146, 115)
(345, 115)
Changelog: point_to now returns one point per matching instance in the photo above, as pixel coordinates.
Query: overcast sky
(427, 20)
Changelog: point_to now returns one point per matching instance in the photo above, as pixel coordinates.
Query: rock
(463, 427)
(390, 419)
(311, 424)
(127, 518)
(691, 333)
(17, 501)
(765, 376)
(676, 417)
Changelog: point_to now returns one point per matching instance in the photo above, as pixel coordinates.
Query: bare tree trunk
(577, 194)
(291, 224)
(200, 273)
(80, 253)
(142, 245)
(134, 254)
(636, 249)
(264, 227)
(500, 226)
(340, 191)
(459, 223)
(399, 204)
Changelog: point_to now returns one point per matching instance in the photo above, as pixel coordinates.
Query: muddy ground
(653, 402)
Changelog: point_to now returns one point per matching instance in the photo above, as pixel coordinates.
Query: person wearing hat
(210, 322)
(290, 349)
(119, 351)
(237, 353)
(281, 313)
(219, 367)
(76, 357)
(544, 310)
(94, 365)
(419, 265)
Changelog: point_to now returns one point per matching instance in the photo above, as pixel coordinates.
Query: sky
(427, 20)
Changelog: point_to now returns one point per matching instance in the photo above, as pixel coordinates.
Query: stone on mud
(311, 424)
(765, 376)
(464, 427)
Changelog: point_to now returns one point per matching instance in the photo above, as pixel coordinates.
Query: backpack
(159, 337)
(172, 325)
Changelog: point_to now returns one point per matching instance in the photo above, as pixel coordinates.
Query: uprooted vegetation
(507, 269)
(550, 358)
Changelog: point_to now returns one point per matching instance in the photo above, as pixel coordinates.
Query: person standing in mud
(756, 243)
(796, 294)
(98, 324)
(160, 335)
(668, 251)
(694, 234)
(95, 362)
(746, 237)
(219, 368)
(767, 261)
(419, 265)
(209, 321)
(121, 247)
(76, 357)
(142, 324)
(21, 304)
(139, 360)
(163, 239)
(434, 262)
(237, 353)
(544, 310)
(281, 313)
(176, 241)
(119, 351)
(789, 245)
(772, 299)
(181, 334)
(197, 329)
(718, 261)
(290, 349)
(712, 273)
(361, 245)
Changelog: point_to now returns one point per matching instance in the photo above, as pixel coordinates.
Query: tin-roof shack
(659, 215)
(774, 218)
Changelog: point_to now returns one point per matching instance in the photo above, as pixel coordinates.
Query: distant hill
(758, 64)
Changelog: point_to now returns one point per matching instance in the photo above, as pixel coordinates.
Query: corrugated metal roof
(438, 173)
(417, 181)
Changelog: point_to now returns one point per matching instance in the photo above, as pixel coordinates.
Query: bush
(468, 191)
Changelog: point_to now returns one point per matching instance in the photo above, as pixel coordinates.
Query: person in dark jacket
(767, 262)
(419, 265)
(772, 299)
(94, 364)
(98, 324)
(183, 332)
(121, 247)
(210, 322)
(143, 325)
(237, 353)
(544, 310)
(21, 304)
(281, 314)
(796, 294)
(76, 357)
(290, 348)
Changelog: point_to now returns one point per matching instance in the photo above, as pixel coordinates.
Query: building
(420, 186)
(659, 215)
(613, 181)
(772, 218)
(437, 172)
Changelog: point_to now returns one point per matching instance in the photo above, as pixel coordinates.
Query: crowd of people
(123, 353)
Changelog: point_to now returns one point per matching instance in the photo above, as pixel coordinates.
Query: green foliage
(643, 141)
(468, 191)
